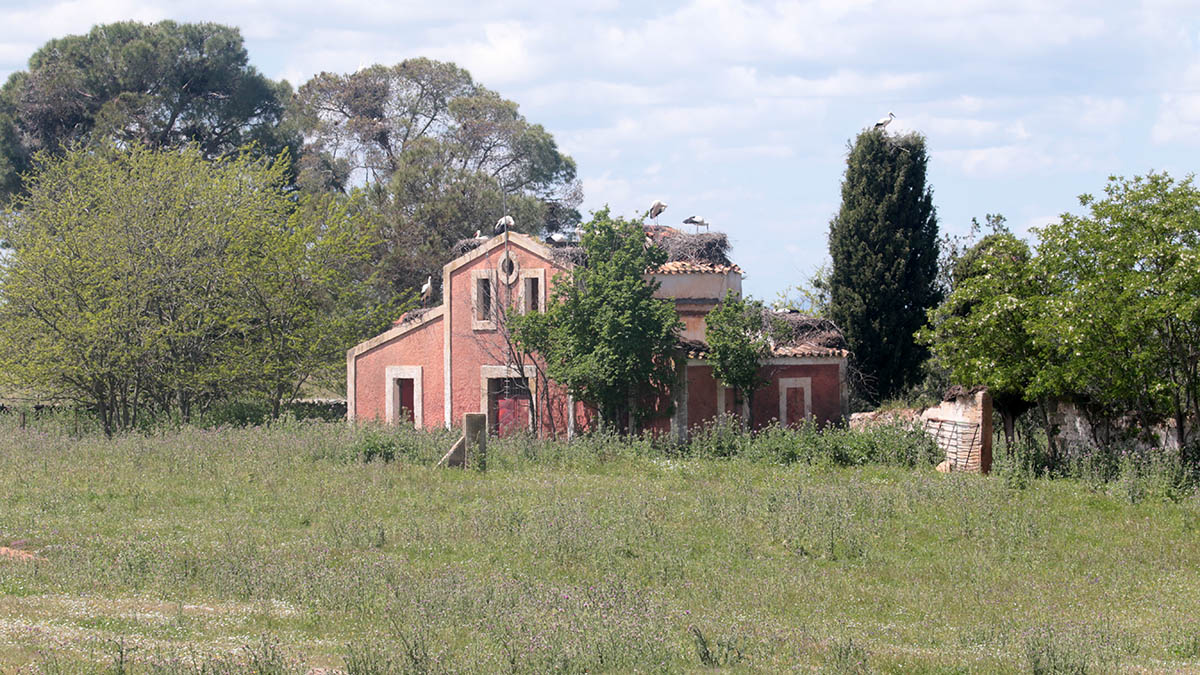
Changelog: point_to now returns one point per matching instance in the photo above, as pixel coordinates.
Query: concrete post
(475, 433)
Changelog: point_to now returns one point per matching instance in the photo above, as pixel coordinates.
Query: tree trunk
(1010, 424)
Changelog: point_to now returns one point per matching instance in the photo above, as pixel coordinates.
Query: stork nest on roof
(465, 246)
(794, 329)
(570, 254)
(709, 247)
(411, 316)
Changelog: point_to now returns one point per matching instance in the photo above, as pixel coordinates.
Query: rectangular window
(404, 402)
(483, 299)
(532, 295)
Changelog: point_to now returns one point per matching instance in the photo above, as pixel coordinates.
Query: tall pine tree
(883, 243)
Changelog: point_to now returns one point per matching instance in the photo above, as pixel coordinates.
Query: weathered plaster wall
(470, 346)
(697, 285)
(421, 346)
(825, 380)
(701, 395)
(824, 375)
(694, 326)
(962, 428)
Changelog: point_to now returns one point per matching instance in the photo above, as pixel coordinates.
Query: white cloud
(997, 160)
(496, 53)
(1179, 111)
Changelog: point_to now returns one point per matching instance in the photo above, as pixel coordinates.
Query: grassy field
(280, 550)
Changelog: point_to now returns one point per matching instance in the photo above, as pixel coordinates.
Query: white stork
(882, 124)
(656, 208)
(479, 236)
(697, 221)
(427, 291)
(558, 238)
(504, 224)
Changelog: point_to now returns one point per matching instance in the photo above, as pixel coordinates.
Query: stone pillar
(475, 433)
(570, 417)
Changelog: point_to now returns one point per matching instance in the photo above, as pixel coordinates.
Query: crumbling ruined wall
(962, 427)
(1074, 430)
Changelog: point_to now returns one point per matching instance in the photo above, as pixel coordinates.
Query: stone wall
(1075, 431)
(962, 427)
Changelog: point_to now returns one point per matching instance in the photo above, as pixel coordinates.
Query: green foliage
(953, 249)
(441, 156)
(143, 282)
(980, 334)
(604, 335)
(1120, 322)
(738, 342)
(883, 244)
(893, 444)
(160, 85)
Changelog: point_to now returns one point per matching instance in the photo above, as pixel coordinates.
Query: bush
(893, 444)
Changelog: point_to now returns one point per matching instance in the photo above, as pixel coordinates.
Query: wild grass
(317, 545)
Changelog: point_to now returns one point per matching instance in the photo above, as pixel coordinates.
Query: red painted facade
(459, 347)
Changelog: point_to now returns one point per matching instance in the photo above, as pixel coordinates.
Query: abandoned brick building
(437, 363)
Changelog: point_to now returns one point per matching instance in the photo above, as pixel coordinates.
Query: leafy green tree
(160, 85)
(883, 245)
(439, 155)
(738, 342)
(146, 283)
(980, 335)
(810, 296)
(1121, 314)
(952, 248)
(604, 335)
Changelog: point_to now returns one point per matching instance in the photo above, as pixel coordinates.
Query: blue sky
(741, 111)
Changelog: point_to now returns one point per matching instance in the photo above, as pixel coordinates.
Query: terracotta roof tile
(696, 349)
(808, 350)
(681, 267)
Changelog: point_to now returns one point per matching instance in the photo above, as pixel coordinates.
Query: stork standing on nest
(479, 236)
(697, 221)
(882, 123)
(427, 291)
(656, 208)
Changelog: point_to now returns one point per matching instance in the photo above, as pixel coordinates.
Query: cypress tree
(883, 243)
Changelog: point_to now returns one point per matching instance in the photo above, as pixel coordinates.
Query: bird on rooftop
(427, 291)
(558, 238)
(697, 221)
(882, 124)
(656, 208)
(504, 224)
(479, 236)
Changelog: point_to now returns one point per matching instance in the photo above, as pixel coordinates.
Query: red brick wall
(702, 396)
(826, 392)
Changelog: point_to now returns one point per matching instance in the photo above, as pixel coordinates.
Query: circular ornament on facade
(508, 267)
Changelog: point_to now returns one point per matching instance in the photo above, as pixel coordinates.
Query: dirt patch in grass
(18, 555)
